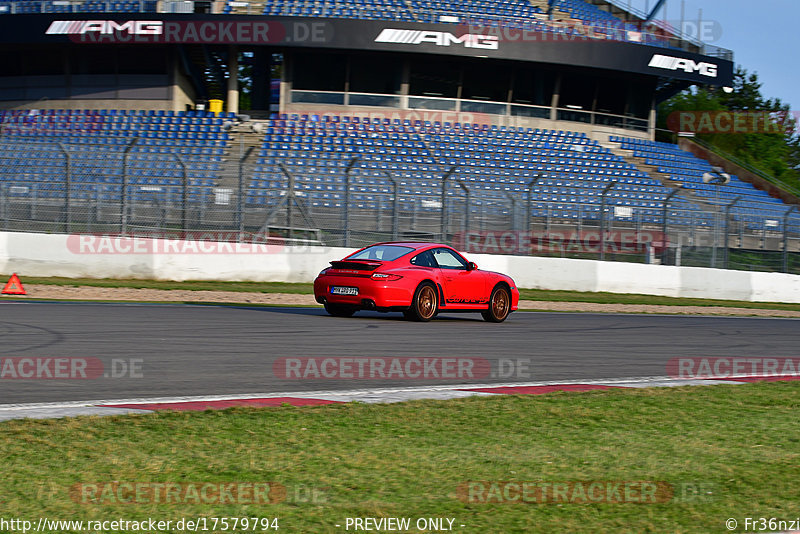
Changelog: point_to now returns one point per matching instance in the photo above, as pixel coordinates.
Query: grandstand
(376, 118)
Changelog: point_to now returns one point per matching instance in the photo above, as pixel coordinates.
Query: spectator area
(564, 172)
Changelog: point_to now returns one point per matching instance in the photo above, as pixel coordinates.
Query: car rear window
(381, 252)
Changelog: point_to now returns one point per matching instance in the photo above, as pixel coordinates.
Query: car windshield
(381, 252)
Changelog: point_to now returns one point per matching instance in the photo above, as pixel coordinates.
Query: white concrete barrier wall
(76, 256)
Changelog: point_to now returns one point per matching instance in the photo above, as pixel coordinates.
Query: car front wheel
(499, 305)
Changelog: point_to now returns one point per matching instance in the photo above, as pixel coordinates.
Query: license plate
(340, 290)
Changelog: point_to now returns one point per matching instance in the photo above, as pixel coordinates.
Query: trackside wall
(31, 254)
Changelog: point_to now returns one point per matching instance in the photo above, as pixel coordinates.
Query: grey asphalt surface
(189, 350)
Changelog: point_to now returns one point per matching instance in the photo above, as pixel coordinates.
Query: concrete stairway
(242, 137)
(665, 179)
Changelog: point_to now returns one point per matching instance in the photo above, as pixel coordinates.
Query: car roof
(416, 245)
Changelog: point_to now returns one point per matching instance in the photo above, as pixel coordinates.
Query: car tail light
(386, 277)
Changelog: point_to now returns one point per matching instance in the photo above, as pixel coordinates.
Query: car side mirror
(471, 266)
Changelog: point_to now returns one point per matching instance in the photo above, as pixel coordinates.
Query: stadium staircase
(683, 168)
(242, 136)
(655, 172)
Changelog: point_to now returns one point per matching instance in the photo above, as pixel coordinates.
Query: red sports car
(419, 279)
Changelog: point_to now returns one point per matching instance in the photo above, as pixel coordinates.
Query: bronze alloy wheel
(425, 303)
(499, 305)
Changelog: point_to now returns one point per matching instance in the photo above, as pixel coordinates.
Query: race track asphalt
(189, 350)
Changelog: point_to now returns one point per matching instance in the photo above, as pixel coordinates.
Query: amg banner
(607, 51)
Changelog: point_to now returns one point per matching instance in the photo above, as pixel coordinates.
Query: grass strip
(191, 285)
(726, 451)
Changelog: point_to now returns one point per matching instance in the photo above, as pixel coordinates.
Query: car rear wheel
(425, 304)
(337, 310)
(499, 305)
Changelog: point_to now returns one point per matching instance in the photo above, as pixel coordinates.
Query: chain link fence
(136, 187)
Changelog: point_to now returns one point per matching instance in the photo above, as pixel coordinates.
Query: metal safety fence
(132, 187)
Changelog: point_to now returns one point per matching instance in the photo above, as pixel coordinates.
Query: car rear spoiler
(356, 265)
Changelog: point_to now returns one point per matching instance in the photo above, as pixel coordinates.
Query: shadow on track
(360, 315)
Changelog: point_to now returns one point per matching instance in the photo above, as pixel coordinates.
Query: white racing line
(46, 410)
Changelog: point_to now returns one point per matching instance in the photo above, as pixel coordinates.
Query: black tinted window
(424, 259)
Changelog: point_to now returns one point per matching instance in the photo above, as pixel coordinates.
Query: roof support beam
(654, 11)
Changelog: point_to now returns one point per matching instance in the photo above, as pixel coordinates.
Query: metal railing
(686, 41)
(80, 6)
(790, 188)
(463, 105)
(128, 189)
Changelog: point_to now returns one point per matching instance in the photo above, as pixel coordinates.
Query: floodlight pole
(606, 189)
(240, 194)
(67, 187)
(786, 238)
(184, 195)
(346, 210)
(446, 177)
(664, 216)
(395, 206)
(530, 201)
(467, 203)
(727, 230)
(513, 210)
(124, 193)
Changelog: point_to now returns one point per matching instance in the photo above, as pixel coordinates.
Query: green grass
(630, 298)
(527, 294)
(741, 444)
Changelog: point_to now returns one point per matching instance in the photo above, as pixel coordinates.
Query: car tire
(425, 304)
(499, 305)
(337, 310)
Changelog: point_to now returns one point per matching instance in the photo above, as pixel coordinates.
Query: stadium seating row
(34, 144)
(564, 171)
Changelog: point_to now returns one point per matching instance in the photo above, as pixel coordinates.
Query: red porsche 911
(418, 279)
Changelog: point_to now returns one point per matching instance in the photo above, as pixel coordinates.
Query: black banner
(586, 50)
